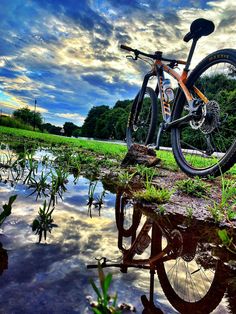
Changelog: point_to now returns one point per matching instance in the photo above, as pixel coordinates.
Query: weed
(216, 212)
(99, 201)
(145, 172)
(58, 182)
(227, 241)
(105, 302)
(189, 211)
(226, 207)
(41, 186)
(153, 195)
(194, 187)
(124, 179)
(7, 209)
(91, 191)
(43, 223)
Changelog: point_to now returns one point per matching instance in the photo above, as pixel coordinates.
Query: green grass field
(114, 150)
(111, 150)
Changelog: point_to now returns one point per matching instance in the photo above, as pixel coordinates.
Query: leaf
(96, 311)
(35, 224)
(114, 300)
(107, 282)
(224, 236)
(12, 199)
(95, 288)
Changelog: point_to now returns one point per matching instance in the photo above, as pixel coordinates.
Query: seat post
(190, 55)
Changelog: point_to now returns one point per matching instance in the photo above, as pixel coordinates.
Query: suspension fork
(141, 94)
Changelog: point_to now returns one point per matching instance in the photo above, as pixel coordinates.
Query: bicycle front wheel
(206, 146)
(142, 119)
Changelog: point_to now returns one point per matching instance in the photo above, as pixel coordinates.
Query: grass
(225, 207)
(194, 187)
(108, 150)
(153, 195)
(112, 150)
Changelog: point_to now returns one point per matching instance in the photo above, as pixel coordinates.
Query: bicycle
(201, 115)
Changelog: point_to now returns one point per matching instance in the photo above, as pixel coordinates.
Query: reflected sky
(52, 277)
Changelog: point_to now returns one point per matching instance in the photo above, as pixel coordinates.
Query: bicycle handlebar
(156, 56)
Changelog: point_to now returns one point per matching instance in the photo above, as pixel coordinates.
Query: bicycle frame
(159, 68)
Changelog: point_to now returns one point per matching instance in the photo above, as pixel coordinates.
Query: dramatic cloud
(66, 54)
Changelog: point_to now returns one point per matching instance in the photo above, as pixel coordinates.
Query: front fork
(141, 95)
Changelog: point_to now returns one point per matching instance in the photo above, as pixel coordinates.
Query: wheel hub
(210, 118)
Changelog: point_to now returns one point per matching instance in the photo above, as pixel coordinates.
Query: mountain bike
(200, 116)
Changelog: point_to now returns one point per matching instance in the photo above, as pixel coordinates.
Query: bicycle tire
(140, 132)
(214, 137)
(207, 303)
(122, 217)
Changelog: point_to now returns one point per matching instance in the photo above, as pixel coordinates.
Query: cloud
(66, 53)
(76, 117)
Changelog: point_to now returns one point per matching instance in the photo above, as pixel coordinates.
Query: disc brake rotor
(210, 118)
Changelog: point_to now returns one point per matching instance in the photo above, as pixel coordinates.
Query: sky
(65, 53)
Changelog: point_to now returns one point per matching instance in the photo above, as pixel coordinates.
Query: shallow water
(52, 277)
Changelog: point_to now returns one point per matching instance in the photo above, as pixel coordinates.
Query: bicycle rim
(206, 146)
(192, 282)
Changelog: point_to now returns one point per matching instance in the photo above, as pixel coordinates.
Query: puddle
(198, 275)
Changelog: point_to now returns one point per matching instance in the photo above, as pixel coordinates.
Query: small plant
(189, 211)
(145, 172)
(41, 186)
(43, 223)
(125, 178)
(91, 191)
(106, 304)
(32, 167)
(194, 187)
(58, 182)
(153, 195)
(216, 212)
(7, 209)
(227, 241)
(99, 201)
(226, 207)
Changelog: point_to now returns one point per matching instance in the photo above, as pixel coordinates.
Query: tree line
(103, 122)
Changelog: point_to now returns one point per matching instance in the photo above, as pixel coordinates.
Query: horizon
(66, 55)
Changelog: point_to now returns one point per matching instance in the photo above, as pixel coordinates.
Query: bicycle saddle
(199, 28)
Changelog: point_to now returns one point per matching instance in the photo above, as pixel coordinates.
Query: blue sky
(65, 53)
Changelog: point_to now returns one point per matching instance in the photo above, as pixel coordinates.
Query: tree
(125, 104)
(77, 132)
(50, 128)
(69, 128)
(106, 124)
(28, 117)
(88, 128)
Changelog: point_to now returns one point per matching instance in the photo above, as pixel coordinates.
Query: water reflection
(193, 270)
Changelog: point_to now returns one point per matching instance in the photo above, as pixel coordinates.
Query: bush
(14, 123)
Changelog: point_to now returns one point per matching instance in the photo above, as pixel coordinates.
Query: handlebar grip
(126, 48)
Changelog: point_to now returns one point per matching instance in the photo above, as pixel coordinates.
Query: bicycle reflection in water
(185, 255)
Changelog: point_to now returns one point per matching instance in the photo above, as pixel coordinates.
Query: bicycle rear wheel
(194, 282)
(207, 146)
(142, 119)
